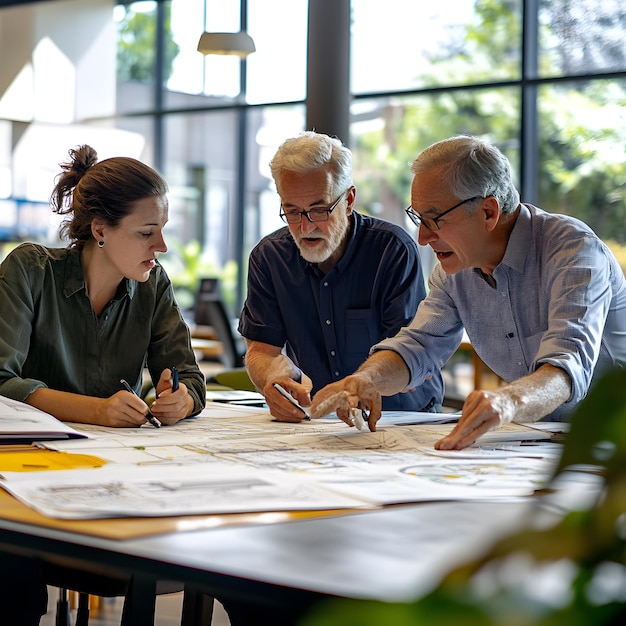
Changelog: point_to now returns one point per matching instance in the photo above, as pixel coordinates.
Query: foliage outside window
(136, 46)
(581, 166)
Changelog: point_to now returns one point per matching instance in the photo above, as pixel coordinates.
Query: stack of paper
(22, 423)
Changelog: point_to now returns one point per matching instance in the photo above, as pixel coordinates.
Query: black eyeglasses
(432, 223)
(314, 215)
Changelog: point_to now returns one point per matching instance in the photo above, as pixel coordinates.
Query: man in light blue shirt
(542, 298)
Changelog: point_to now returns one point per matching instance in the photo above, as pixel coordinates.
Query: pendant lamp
(239, 44)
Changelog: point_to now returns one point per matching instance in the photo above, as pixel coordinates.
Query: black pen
(153, 420)
(174, 379)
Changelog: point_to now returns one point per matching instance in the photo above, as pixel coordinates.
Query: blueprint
(234, 458)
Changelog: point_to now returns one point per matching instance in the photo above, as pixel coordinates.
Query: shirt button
(519, 363)
(326, 284)
(327, 322)
(336, 373)
(332, 353)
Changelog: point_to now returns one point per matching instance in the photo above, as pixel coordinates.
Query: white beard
(324, 250)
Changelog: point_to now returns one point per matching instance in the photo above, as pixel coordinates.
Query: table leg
(140, 602)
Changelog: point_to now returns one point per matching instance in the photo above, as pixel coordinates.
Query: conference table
(395, 554)
(291, 559)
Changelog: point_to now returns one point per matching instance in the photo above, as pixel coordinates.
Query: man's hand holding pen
(283, 409)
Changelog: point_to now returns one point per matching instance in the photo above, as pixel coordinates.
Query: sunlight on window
(17, 102)
(43, 146)
(390, 53)
(6, 145)
(55, 84)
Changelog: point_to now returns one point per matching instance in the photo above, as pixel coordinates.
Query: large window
(556, 108)
(544, 79)
(414, 45)
(214, 140)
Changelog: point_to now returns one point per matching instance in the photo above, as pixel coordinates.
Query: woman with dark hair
(77, 320)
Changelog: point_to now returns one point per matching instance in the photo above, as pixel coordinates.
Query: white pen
(359, 417)
(283, 392)
(153, 420)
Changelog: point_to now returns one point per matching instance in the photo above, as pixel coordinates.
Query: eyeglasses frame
(418, 220)
(328, 211)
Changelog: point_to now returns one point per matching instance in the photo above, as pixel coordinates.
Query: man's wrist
(365, 376)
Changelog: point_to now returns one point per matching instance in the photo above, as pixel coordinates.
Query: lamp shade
(239, 44)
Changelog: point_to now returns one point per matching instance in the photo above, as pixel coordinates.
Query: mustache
(316, 234)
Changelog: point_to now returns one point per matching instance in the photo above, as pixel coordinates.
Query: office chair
(209, 310)
(236, 378)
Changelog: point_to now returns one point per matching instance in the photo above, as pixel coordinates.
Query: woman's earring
(101, 244)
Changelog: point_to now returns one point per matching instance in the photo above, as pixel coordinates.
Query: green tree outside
(582, 136)
(136, 49)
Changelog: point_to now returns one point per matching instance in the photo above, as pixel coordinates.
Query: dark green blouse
(51, 337)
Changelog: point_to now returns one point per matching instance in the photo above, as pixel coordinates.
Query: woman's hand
(171, 406)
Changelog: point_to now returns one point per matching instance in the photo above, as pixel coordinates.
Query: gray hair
(310, 151)
(471, 167)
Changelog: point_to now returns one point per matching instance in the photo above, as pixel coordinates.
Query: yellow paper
(33, 460)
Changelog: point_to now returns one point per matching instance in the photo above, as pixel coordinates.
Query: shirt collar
(519, 241)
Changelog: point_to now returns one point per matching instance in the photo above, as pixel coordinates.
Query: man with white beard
(328, 286)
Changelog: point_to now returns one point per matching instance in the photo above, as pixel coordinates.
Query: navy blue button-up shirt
(328, 323)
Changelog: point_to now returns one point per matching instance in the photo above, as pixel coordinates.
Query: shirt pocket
(360, 332)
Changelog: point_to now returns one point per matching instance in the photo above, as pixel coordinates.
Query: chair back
(209, 310)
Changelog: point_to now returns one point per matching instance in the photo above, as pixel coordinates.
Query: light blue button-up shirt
(560, 298)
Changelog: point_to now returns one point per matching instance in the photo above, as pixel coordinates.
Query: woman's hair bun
(82, 158)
